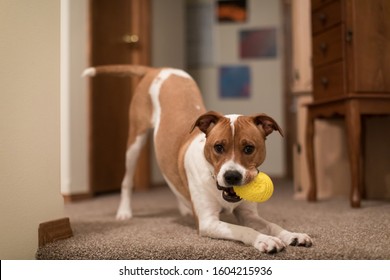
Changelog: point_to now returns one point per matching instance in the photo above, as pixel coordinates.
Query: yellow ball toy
(258, 190)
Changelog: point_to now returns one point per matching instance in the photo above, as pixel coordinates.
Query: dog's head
(235, 147)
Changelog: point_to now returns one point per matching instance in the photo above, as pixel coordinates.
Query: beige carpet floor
(159, 232)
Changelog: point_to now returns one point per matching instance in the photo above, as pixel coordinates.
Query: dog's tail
(116, 70)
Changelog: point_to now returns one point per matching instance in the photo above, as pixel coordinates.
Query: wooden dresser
(351, 75)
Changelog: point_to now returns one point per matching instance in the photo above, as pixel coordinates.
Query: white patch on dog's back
(154, 92)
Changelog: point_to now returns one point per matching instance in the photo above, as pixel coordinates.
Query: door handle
(131, 39)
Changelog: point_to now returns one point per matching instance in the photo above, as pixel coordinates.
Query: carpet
(158, 231)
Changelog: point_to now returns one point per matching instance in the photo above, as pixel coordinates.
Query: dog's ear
(206, 121)
(267, 124)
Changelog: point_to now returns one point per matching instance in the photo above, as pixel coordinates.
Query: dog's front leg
(211, 226)
(247, 215)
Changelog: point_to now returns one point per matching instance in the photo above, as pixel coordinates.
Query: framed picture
(258, 43)
(231, 11)
(234, 82)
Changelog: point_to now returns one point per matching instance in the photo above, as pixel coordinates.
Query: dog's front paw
(268, 244)
(123, 214)
(124, 210)
(296, 239)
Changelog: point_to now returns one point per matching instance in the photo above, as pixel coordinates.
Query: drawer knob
(348, 36)
(323, 47)
(322, 17)
(325, 82)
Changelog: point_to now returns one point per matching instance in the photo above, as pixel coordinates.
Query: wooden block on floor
(54, 230)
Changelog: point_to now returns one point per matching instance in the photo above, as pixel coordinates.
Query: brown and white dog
(201, 154)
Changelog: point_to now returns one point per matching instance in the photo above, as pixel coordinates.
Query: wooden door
(113, 25)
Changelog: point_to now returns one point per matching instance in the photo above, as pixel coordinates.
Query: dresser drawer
(328, 81)
(327, 47)
(325, 17)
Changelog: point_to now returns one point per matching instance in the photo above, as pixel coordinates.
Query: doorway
(115, 38)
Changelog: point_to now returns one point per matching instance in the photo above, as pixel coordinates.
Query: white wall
(29, 123)
(168, 31)
(266, 76)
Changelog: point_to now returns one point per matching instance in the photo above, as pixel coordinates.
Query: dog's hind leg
(124, 211)
(140, 122)
(139, 126)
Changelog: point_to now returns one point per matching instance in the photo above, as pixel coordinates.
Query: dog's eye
(218, 148)
(248, 149)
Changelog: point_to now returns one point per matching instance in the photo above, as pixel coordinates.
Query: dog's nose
(232, 177)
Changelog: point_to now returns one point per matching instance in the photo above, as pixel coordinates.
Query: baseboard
(68, 198)
(54, 230)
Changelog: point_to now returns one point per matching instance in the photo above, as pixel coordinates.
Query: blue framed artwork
(234, 82)
(258, 43)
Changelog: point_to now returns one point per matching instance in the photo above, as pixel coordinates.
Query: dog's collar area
(228, 194)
